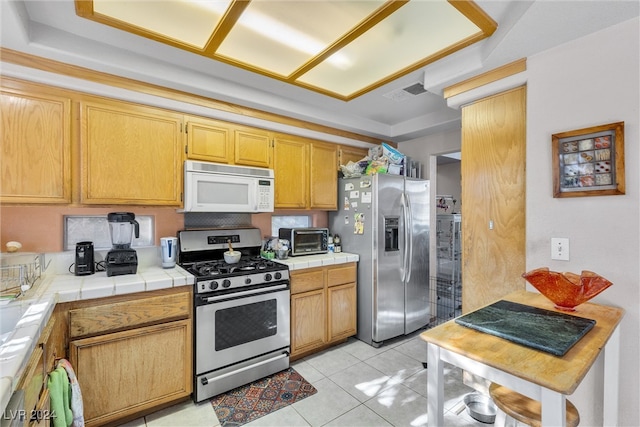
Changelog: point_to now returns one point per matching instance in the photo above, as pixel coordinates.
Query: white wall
(422, 148)
(449, 182)
(589, 82)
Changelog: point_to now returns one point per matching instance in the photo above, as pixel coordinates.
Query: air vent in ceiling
(403, 94)
(415, 89)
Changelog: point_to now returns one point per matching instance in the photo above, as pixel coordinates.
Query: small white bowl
(232, 257)
(13, 246)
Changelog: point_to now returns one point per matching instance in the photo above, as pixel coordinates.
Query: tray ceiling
(343, 49)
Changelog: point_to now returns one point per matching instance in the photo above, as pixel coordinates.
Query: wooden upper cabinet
(252, 147)
(351, 154)
(209, 140)
(291, 169)
(130, 154)
(35, 157)
(323, 177)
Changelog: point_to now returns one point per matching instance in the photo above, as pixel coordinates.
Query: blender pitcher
(122, 225)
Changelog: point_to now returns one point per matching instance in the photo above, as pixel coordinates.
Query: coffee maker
(84, 264)
(121, 259)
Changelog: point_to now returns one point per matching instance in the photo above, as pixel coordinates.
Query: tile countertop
(61, 286)
(58, 285)
(309, 261)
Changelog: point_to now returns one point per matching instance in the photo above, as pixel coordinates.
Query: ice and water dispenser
(391, 233)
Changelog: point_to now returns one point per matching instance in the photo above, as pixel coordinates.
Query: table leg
(435, 386)
(611, 379)
(554, 408)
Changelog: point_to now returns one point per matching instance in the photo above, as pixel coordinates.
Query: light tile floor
(358, 385)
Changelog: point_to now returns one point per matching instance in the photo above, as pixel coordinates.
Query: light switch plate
(560, 248)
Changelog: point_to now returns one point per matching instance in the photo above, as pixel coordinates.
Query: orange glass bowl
(567, 290)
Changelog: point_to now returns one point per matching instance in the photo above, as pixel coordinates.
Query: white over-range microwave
(215, 187)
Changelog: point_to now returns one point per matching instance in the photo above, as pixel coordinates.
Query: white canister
(168, 251)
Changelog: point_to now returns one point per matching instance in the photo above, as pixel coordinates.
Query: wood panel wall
(493, 192)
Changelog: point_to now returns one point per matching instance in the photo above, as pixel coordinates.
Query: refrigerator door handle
(405, 248)
(408, 229)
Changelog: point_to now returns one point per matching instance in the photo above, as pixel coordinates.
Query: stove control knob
(267, 277)
(226, 283)
(278, 276)
(247, 281)
(213, 285)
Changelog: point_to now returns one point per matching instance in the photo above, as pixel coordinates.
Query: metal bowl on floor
(480, 407)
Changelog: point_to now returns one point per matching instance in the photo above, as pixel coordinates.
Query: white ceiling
(52, 30)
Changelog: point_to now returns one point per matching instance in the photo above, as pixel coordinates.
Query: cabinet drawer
(308, 280)
(341, 275)
(128, 314)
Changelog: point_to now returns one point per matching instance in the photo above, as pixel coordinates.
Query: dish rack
(19, 272)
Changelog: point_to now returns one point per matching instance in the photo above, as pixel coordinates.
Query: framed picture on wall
(589, 162)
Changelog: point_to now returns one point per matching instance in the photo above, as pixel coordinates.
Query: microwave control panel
(265, 194)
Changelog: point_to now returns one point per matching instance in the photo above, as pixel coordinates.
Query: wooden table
(536, 374)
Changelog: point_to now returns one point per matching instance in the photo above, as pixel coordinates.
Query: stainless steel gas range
(241, 319)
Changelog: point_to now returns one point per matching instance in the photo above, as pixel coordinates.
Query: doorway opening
(446, 251)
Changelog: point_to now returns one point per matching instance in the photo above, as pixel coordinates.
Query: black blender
(121, 259)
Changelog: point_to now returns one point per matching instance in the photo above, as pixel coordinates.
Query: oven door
(239, 326)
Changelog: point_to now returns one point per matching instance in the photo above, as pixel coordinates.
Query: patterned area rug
(259, 398)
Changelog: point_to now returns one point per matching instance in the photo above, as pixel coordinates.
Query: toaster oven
(306, 241)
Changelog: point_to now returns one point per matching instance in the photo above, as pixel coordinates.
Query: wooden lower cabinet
(132, 354)
(323, 307)
(308, 318)
(342, 316)
(130, 371)
(33, 381)
(42, 415)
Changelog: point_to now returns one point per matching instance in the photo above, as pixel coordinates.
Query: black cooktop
(219, 268)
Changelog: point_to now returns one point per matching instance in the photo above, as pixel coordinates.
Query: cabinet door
(252, 147)
(35, 156)
(131, 155)
(308, 321)
(209, 140)
(127, 372)
(341, 308)
(493, 189)
(323, 177)
(291, 169)
(42, 415)
(351, 154)
(33, 380)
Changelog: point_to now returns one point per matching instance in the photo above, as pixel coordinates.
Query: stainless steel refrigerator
(385, 219)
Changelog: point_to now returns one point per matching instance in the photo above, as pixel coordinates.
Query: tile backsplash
(95, 228)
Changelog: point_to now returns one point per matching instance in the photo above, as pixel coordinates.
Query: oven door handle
(245, 293)
(205, 380)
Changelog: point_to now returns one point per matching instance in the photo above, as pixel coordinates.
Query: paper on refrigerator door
(358, 225)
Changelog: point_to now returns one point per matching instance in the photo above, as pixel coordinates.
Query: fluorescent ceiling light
(341, 48)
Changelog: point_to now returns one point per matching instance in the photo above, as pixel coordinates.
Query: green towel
(60, 398)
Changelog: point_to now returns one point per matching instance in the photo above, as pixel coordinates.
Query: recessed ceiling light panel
(189, 22)
(341, 48)
(418, 30)
(281, 36)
